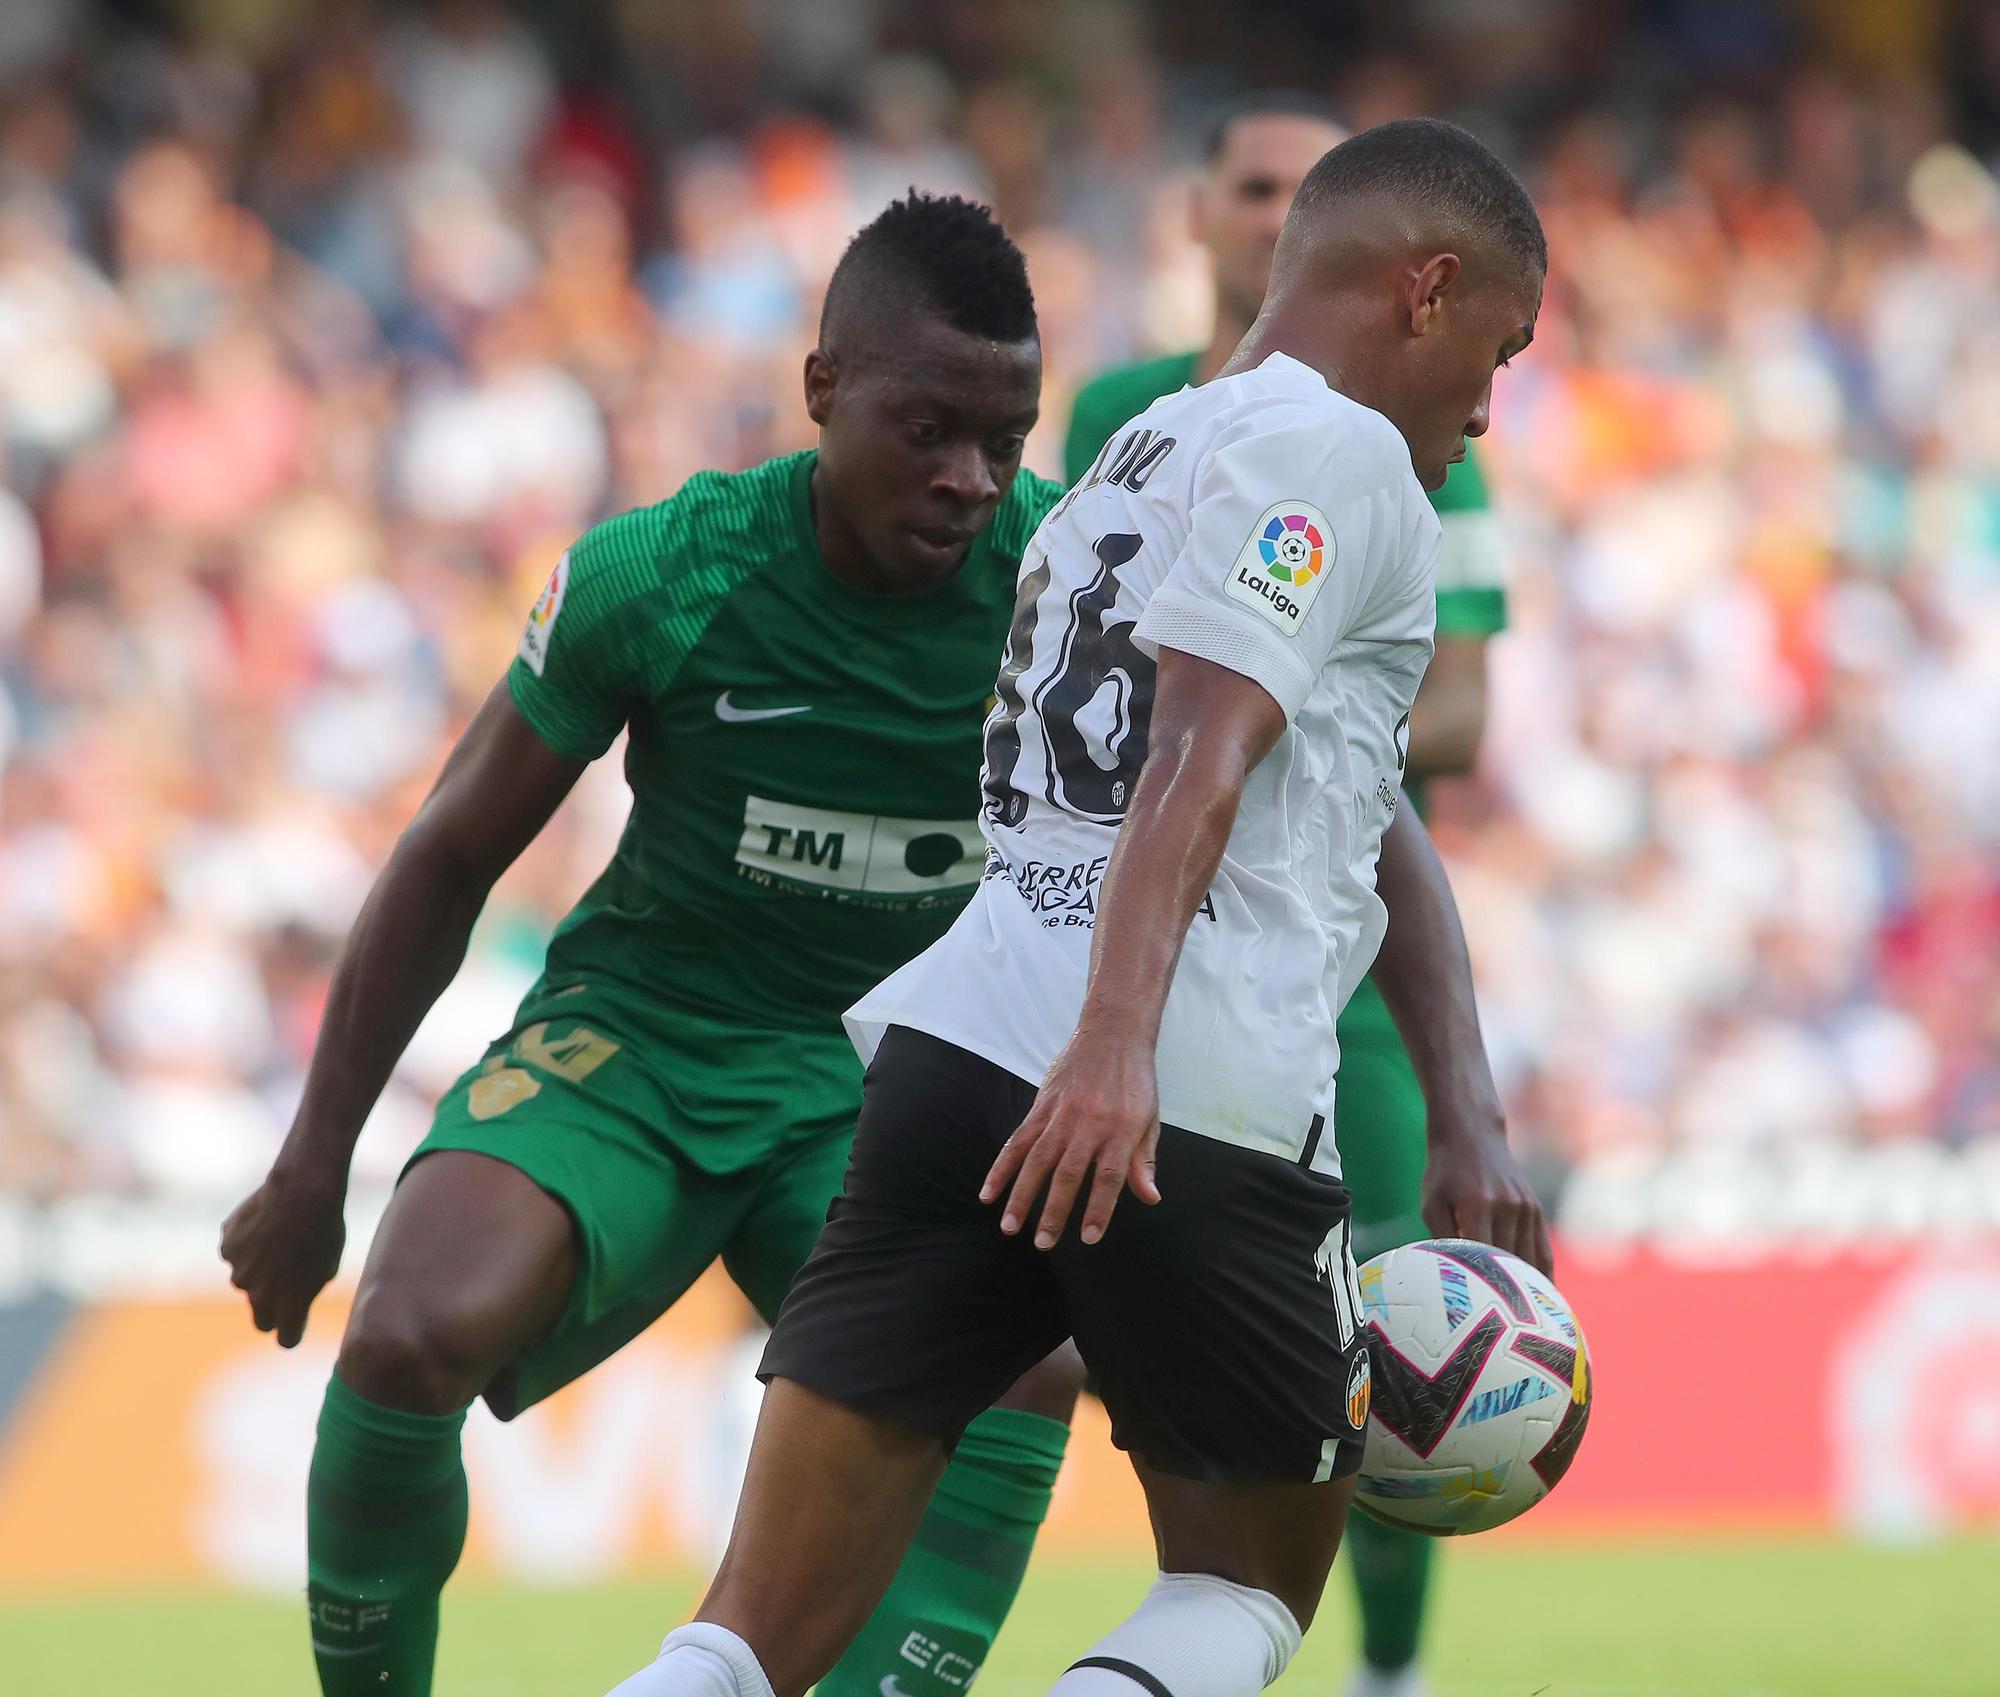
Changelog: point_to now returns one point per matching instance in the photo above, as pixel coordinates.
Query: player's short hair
(1264, 103)
(951, 254)
(1439, 167)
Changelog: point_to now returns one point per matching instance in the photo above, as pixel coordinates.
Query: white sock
(699, 1660)
(1193, 1636)
(1373, 1682)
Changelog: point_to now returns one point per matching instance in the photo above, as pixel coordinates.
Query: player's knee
(1050, 1387)
(412, 1353)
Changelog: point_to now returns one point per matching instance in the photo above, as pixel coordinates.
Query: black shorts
(1219, 1325)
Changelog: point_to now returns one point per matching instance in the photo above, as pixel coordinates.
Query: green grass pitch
(1725, 1618)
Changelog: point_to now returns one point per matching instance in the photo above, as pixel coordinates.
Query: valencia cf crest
(1360, 1380)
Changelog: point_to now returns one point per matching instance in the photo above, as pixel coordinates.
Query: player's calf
(828, 1506)
(936, 1624)
(1242, 1568)
(1274, 1538)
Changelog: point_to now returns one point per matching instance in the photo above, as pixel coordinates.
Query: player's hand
(1473, 1187)
(1095, 1124)
(283, 1244)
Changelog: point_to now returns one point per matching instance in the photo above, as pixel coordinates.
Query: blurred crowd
(323, 327)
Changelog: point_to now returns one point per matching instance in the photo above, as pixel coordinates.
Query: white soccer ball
(1480, 1387)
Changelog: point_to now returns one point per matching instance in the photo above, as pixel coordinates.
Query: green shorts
(672, 1139)
(1378, 1122)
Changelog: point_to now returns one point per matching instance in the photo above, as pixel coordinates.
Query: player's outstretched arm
(1096, 1121)
(497, 790)
(1472, 1185)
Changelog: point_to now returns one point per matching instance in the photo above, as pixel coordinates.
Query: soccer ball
(1481, 1387)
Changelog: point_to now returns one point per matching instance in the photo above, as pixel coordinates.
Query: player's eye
(1006, 447)
(926, 432)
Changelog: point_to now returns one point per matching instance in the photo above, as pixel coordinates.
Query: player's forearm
(1425, 975)
(405, 948)
(1444, 740)
(1159, 873)
(1448, 718)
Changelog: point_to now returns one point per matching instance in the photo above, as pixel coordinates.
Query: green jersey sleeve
(1471, 569)
(578, 670)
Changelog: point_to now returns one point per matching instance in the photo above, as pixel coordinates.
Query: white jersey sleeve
(1296, 543)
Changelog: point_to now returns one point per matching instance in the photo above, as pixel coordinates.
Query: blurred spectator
(473, 83)
(324, 328)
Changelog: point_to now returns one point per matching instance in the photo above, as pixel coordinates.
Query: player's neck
(1313, 340)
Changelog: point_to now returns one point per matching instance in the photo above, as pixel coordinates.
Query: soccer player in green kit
(1257, 153)
(802, 654)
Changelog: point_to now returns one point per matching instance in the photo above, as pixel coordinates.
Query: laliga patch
(1278, 572)
(542, 617)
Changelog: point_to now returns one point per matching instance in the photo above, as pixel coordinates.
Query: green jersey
(1471, 596)
(804, 758)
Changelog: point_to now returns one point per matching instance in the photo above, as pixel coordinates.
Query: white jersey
(1271, 525)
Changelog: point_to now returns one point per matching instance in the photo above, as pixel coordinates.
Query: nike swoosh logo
(750, 715)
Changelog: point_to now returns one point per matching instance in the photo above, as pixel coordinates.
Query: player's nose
(965, 476)
(1482, 415)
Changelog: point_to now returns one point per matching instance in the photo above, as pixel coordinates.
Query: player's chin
(1433, 480)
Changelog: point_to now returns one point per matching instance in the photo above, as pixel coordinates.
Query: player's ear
(1430, 283)
(822, 376)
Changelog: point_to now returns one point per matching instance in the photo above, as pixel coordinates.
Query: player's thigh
(1221, 1326)
(913, 1307)
(472, 1258)
(591, 1123)
(1379, 1125)
(1273, 1537)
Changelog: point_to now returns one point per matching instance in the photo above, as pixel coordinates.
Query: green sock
(945, 1605)
(385, 1521)
(1392, 1575)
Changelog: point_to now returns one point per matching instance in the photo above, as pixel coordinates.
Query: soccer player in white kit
(1194, 753)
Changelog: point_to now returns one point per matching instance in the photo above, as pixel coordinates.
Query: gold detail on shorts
(493, 1093)
(574, 1056)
